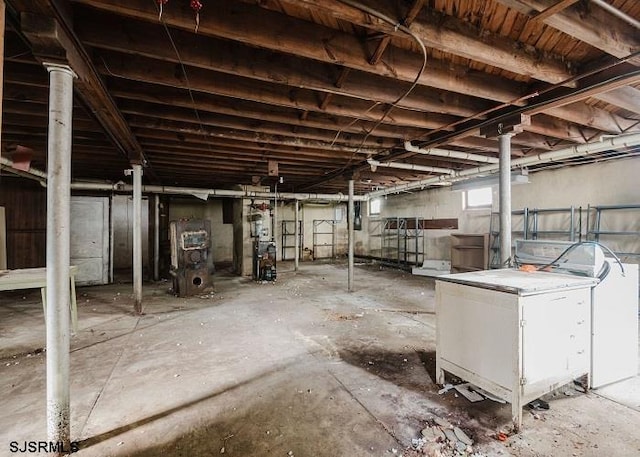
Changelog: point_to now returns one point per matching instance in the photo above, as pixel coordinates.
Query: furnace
(190, 241)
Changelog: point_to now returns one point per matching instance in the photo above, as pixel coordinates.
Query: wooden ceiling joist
(156, 72)
(245, 24)
(593, 26)
(314, 85)
(48, 36)
(454, 36)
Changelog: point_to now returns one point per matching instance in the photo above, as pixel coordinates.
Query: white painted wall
(318, 212)
(615, 182)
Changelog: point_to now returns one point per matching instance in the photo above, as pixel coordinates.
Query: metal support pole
(156, 238)
(350, 220)
(274, 224)
(505, 199)
(58, 251)
(296, 231)
(137, 238)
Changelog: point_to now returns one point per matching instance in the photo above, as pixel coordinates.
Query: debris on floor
(538, 404)
(470, 392)
(442, 439)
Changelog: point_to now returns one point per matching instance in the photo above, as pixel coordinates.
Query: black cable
(396, 102)
(582, 243)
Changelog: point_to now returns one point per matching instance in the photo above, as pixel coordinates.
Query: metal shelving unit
(402, 241)
(414, 241)
(288, 239)
(324, 239)
(391, 227)
(563, 224)
(569, 229)
(519, 222)
(607, 230)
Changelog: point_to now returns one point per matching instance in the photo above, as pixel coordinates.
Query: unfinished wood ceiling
(317, 86)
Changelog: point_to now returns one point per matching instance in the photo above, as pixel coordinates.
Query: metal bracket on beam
(510, 124)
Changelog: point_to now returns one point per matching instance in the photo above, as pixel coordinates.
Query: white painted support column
(137, 237)
(505, 199)
(2, 31)
(58, 251)
(156, 238)
(274, 225)
(350, 219)
(296, 234)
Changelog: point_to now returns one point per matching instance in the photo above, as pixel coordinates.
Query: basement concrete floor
(299, 367)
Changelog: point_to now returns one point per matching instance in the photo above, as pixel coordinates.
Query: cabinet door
(555, 334)
(477, 331)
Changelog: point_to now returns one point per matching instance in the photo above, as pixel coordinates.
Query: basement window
(374, 207)
(477, 198)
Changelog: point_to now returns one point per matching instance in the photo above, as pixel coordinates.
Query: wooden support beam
(326, 99)
(384, 42)
(50, 38)
(595, 26)
(627, 98)
(157, 72)
(207, 155)
(267, 125)
(162, 120)
(286, 154)
(342, 78)
(252, 135)
(553, 9)
(105, 31)
(592, 86)
(29, 120)
(589, 116)
(557, 128)
(452, 35)
(246, 24)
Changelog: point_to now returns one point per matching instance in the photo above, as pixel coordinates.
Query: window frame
(465, 199)
(378, 203)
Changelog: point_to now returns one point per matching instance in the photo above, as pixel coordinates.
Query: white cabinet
(517, 335)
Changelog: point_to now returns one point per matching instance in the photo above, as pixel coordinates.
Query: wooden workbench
(36, 278)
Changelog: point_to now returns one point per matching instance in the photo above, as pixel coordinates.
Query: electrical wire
(387, 111)
(605, 270)
(183, 69)
(535, 94)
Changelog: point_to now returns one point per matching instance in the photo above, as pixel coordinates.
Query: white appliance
(515, 334)
(614, 303)
(520, 334)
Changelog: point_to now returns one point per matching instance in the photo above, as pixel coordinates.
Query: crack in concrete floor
(265, 369)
